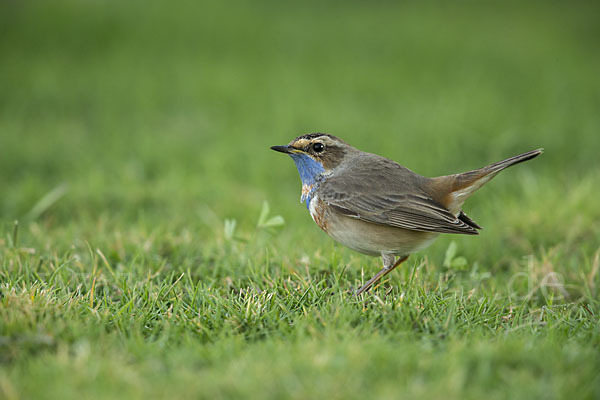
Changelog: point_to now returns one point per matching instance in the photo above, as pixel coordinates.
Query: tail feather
(500, 165)
(453, 190)
(472, 177)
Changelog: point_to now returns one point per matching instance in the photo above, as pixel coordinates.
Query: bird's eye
(318, 147)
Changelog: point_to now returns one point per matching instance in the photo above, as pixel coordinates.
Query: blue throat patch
(310, 174)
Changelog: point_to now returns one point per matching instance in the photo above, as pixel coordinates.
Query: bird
(378, 207)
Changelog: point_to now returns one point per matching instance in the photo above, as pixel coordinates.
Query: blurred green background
(153, 107)
(138, 127)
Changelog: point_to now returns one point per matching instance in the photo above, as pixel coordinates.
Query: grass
(134, 156)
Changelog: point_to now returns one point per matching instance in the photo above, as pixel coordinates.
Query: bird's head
(315, 154)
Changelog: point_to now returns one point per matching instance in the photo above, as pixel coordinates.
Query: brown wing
(380, 191)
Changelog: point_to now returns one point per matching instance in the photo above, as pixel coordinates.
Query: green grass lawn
(134, 154)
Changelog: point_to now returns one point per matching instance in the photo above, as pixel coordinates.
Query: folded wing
(389, 194)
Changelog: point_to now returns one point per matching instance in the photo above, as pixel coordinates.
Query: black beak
(281, 149)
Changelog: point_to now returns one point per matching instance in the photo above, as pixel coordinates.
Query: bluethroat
(378, 207)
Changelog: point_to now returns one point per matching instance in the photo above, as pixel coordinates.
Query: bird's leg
(388, 266)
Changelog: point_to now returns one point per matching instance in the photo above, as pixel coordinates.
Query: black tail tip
(532, 154)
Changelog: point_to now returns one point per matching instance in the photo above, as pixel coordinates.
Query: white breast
(312, 207)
